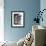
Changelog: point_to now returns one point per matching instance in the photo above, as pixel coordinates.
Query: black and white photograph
(17, 18)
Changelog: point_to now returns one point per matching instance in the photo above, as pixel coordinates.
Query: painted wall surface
(30, 7)
(43, 6)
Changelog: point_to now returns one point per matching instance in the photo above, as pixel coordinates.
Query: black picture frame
(17, 19)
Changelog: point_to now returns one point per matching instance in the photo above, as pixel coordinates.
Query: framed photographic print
(17, 18)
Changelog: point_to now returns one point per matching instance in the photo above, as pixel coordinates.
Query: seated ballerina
(28, 40)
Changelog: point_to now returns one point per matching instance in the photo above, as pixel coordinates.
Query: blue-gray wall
(43, 6)
(30, 7)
